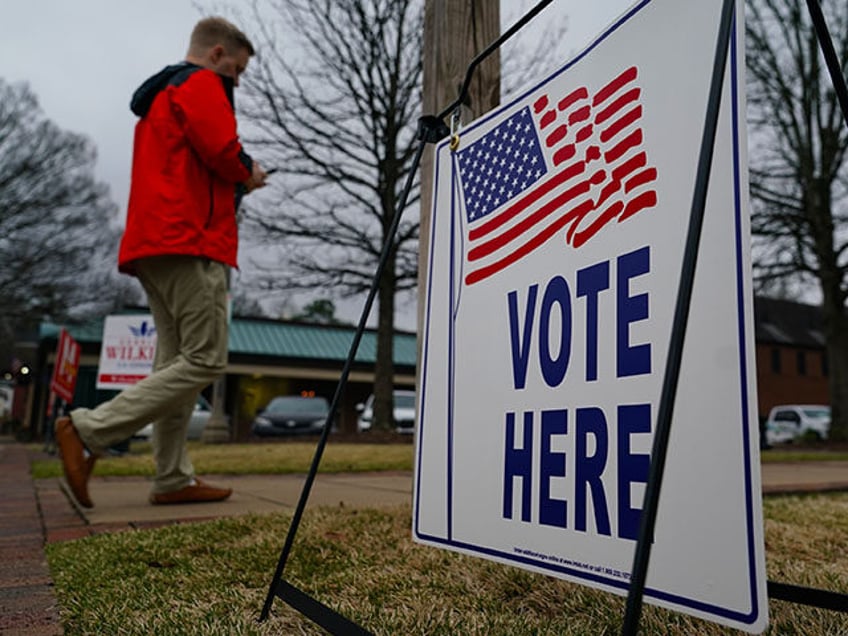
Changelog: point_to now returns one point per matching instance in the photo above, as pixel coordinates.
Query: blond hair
(212, 31)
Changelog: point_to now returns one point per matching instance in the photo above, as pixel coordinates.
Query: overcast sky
(84, 59)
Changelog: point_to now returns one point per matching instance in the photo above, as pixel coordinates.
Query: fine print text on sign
(558, 227)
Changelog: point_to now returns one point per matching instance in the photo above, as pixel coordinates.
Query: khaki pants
(188, 299)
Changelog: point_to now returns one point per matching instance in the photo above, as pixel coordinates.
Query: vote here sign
(558, 228)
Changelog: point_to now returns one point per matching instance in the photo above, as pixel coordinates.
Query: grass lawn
(296, 457)
(211, 578)
(252, 459)
(814, 453)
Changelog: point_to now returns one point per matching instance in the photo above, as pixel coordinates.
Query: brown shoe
(74, 463)
(197, 492)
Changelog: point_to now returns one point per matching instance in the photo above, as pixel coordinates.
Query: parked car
(196, 425)
(403, 412)
(291, 414)
(791, 421)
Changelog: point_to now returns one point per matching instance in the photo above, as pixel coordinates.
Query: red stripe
(636, 204)
(547, 118)
(572, 97)
(584, 133)
(556, 136)
(494, 244)
(532, 244)
(634, 163)
(608, 190)
(630, 96)
(631, 141)
(620, 124)
(564, 154)
(607, 91)
(558, 179)
(646, 176)
(581, 114)
(579, 238)
(540, 104)
(593, 153)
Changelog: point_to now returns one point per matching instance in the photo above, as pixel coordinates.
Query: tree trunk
(836, 329)
(384, 368)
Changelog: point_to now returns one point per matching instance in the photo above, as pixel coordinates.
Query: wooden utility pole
(455, 31)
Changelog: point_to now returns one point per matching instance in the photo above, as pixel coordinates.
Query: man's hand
(257, 178)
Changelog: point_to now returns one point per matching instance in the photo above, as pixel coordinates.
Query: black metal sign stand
(796, 594)
(432, 129)
(638, 573)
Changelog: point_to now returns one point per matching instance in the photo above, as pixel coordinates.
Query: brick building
(791, 354)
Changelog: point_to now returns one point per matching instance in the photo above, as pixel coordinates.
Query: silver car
(199, 418)
(403, 412)
(791, 421)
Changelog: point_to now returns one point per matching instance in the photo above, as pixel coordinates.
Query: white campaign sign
(558, 228)
(127, 351)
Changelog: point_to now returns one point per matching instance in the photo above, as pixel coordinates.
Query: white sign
(127, 351)
(558, 228)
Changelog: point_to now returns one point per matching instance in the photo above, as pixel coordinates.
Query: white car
(403, 412)
(199, 418)
(791, 421)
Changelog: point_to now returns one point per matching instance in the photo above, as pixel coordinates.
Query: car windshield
(298, 406)
(404, 400)
(819, 413)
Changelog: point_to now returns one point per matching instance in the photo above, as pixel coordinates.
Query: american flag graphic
(573, 165)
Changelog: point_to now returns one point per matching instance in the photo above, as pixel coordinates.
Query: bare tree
(798, 168)
(335, 112)
(56, 238)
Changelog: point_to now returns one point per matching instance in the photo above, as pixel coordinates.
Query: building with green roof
(266, 358)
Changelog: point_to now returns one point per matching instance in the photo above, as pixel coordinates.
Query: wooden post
(454, 32)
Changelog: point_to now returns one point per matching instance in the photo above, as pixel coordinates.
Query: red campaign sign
(65, 369)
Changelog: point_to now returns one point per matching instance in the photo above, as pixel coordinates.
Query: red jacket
(187, 160)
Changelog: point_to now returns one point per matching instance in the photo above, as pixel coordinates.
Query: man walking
(180, 239)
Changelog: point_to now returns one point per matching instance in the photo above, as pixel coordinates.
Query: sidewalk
(33, 513)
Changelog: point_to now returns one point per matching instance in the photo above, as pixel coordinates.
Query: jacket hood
(144, 95)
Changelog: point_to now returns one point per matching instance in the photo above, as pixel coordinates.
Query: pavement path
(33, 513)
